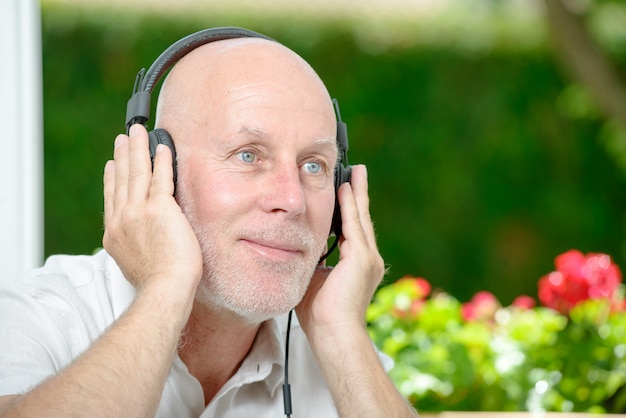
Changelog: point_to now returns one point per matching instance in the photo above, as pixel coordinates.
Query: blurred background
(494, 131)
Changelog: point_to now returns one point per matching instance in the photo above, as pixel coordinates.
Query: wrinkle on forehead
(258, 132)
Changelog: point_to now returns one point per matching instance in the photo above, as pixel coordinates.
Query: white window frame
(21, 143)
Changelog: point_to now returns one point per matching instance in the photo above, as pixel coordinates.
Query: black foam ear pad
(161, 136)
(343, 171)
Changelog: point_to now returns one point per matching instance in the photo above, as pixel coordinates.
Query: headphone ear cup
(161, 136)
(342, 175)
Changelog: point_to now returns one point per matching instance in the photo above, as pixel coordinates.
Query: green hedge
(477, 177)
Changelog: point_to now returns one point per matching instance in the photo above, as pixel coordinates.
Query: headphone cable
(330, 250)
(286, 386)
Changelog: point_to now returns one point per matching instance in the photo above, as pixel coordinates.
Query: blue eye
(313, 167)
(247, 156)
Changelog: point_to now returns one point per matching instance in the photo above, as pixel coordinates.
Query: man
(183, 315)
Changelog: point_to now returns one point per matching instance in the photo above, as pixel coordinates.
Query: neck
(213, 346)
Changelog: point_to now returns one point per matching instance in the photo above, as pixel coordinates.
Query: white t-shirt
(54, 313)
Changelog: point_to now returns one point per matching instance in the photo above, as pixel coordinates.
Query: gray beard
(229, 284)
(256, 289)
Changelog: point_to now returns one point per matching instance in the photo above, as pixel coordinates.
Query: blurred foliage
(480, 356)
(484, 161)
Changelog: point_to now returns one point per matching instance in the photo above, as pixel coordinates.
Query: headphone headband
(138, 108)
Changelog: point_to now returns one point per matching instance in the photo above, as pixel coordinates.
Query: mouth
(273, 250)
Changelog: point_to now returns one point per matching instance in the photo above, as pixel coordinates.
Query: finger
(361, 195)
(120, 186)
(351, 221)
(163, 176)
(140, 168)
(109, 189)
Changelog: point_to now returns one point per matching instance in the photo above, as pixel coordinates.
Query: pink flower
(578, 278)
(418, 287)
(412, 291)
(482, 307)
(523, 302)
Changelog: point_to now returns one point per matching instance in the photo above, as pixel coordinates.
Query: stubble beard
(257, 288)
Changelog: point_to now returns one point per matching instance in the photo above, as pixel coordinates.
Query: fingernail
(109, 165)
(134, 130)
(119, 140)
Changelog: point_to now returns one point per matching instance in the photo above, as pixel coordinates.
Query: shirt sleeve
(39, 335)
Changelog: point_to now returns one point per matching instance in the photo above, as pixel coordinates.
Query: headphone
(138, 107)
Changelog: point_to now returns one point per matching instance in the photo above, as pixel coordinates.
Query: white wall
(21, 145)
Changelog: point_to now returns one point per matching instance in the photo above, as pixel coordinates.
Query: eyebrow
(326, 140)
(252, 131)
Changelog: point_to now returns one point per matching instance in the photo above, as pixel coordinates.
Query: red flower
(523, 302)
(418, 287)
(410, 292)
(482, 307)
(579, 278)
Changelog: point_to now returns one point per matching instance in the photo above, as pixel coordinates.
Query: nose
(284, 192)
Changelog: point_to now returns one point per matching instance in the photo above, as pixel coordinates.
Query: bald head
(228, 72)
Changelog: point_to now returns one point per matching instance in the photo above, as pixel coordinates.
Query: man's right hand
(124, 371)
(146, 231)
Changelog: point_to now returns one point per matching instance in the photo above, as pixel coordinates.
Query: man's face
(258, 189)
